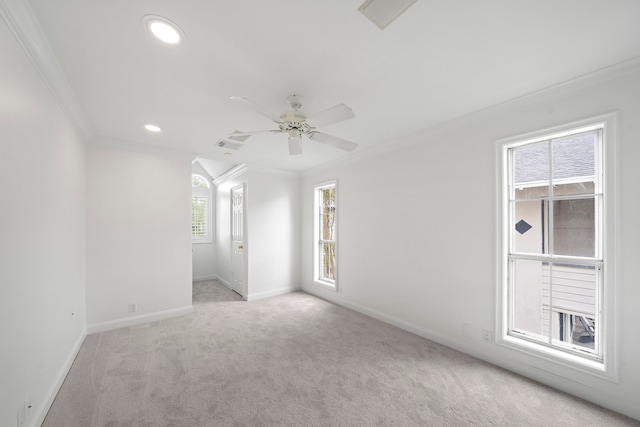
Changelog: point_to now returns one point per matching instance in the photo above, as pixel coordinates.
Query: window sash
(327, 261)
(199, 217)
(553, 306)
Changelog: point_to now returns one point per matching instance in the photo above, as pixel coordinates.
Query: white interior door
(238, 279)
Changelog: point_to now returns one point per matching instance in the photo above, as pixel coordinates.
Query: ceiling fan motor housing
(294, 120)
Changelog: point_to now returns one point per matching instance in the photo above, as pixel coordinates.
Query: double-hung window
(200, 209)
(325, 219)
(554, 299)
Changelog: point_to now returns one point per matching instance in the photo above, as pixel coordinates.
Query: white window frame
(203, 192)
(604, 366)
(317, 241)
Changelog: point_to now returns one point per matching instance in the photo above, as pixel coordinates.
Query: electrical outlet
(486, 336)
(133, 307)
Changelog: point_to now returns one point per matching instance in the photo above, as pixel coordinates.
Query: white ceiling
(439, 61)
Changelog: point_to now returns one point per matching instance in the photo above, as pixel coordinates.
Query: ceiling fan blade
(334, 114)
(259, 108)
(295, 146)
(333, 141)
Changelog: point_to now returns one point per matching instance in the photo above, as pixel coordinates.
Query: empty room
(319, 213)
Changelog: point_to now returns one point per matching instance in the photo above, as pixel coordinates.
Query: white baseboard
(224, 282)
(204, 278)
(41, 412)
(273, 293)
(414, 329)
(138, 320)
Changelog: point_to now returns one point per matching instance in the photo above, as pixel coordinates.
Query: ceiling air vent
(233, 142)
(229, 145)
(384, 12)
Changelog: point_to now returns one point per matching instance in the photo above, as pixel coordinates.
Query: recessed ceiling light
(152, 128)
(163, 29)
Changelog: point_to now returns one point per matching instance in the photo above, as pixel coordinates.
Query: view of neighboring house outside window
(325, 207)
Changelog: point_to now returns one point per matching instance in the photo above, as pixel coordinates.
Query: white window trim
(208, 238)
(608, 368)
(316, 237)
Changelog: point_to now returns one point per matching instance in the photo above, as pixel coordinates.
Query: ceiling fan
(297, 125)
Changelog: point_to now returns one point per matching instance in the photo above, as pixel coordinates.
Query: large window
(325, 264)
(200, 209)
(554, 298)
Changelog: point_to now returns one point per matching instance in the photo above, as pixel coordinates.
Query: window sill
(580, 364)
(325, 285)
(197, 242)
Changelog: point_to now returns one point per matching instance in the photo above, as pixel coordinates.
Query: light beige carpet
(295, 360)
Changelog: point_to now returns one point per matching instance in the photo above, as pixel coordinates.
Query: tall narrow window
(200, 209)
(325, 268)
(553, 247)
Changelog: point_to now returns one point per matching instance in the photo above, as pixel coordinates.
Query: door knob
(240, 247)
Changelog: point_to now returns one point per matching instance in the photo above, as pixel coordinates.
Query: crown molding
(23, 24)
(230, 174)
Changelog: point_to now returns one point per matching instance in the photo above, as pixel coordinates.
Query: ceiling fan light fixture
(163, 29)
(295, 146)
(295, 134)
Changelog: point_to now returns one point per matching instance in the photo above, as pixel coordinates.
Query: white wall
(273, 226)
(42, 226)
(272, 215)
(204, 253)
(417, 229)
(138, 234)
